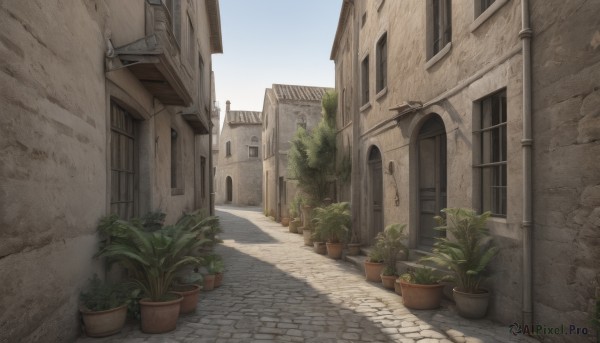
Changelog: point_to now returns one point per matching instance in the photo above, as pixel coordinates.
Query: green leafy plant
(468, 250)
(294, 207)
(151, 258)
(102, 295)
(391, 243)
(214, 264)
(376, 254)
(332, 222)
(421, 276)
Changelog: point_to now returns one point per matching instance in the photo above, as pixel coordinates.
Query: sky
(273, 41)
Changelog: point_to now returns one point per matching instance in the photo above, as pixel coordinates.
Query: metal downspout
(355, 174)
(526, 144)
(277, 190)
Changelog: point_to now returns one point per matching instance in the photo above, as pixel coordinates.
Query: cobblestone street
(276, 289)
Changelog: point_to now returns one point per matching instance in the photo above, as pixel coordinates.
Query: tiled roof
(303, 93)
(243, 117)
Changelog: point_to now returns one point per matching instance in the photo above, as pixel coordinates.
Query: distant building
(285, 108)
(468, 104)
(105, 108)
(239, 171)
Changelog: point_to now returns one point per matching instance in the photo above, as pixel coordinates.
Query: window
(123, 199)
(381, 75)
(492, 158)
(482, 5)
(203, 177)
(176, 171)
(191, 44)
(440, 25)
(228, 148)
(174, 7)
(363, 20)
(253, 151)
(365, 80)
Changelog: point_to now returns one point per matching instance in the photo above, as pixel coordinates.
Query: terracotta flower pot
(285, 221)
(218, 280)
(299, 229)
(471, 305)
(334, 250)
(373, 271)
(421, 297)
(103, 323)
(353, 249)
(293, 227)
(388, 280)
(397, 287)
(306, 215)
(320, 248)
(161, 316)
(209, 282)
(190, 294)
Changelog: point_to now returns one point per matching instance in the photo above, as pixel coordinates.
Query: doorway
(431, 155)
(229, 187)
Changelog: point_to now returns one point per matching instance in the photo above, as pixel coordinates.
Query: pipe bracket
(526, 142)
(526, 33)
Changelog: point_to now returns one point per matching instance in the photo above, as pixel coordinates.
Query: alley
(277, 290)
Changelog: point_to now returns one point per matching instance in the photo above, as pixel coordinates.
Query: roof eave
(214, 18)
(344, 12)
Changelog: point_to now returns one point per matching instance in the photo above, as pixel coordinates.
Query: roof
(302, 93)
(344, 15)
(214, 19)
(243, 118)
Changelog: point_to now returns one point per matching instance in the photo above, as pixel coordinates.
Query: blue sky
(273, 41)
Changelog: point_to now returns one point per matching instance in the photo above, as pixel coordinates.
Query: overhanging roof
(214, 22)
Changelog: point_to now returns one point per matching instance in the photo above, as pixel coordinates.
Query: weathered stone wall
(269, 178)
(55, 96)
(245, 171)
(566, 178)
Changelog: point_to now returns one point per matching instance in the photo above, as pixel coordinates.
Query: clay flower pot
(471, 305)
(218, 280)
(209, 282)
(334, 250)
(159, 316)
(353, 249)
(285, 221)
(421, 297)
(320, 248)
(307, 233)
(388, 280)
(373, 271)
(190, 294)
(293, 227)
(103, 323)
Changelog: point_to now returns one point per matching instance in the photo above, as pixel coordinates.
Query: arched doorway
(229, 188)
(431, 155)
(375, 196)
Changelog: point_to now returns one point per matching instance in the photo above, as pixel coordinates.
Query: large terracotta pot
(293, 227)
(334, 250)
(285, 221)
(421, 297)
(159, 317)
(209, 282)
(299, 228)
(190, 294)
(353, 249)
(471, 305)
(373, 271)
(388, 281)
(218, 280)
(306, 215)
(103, 323)
(397, 287)
(320, 248)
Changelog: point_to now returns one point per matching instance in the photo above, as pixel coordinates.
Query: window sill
(483, 17)
(381, 93)
(445, 50)
(365, 107)
(177, 191)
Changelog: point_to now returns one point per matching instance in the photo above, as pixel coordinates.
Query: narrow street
(276, 289)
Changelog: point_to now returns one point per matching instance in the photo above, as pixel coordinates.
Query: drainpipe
(526, 145)
(277, 190)
(355, 174)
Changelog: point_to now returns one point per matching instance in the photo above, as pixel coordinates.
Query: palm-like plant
(332, 222)
(152, 258)
(391, 243)
(468, 251)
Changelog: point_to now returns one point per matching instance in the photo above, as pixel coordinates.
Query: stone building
(105, 109)
(285, 108)
(216, 134)
(491, 105)
(239, 171)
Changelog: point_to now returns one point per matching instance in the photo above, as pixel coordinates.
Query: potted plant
(103, 307)
(332, 223)
(214, 266)
(374, 264)
(391, 242)
(353, 247)
(319, 243)
(152, 259)
(421, 289)
(466, 251)
(188, 287)
(293, 211)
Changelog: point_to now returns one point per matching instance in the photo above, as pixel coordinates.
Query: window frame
(364, 81)
(228, 149)
(488, 146)
(381, 57)
(252, 148)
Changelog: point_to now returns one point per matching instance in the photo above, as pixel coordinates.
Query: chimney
(227, 106)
